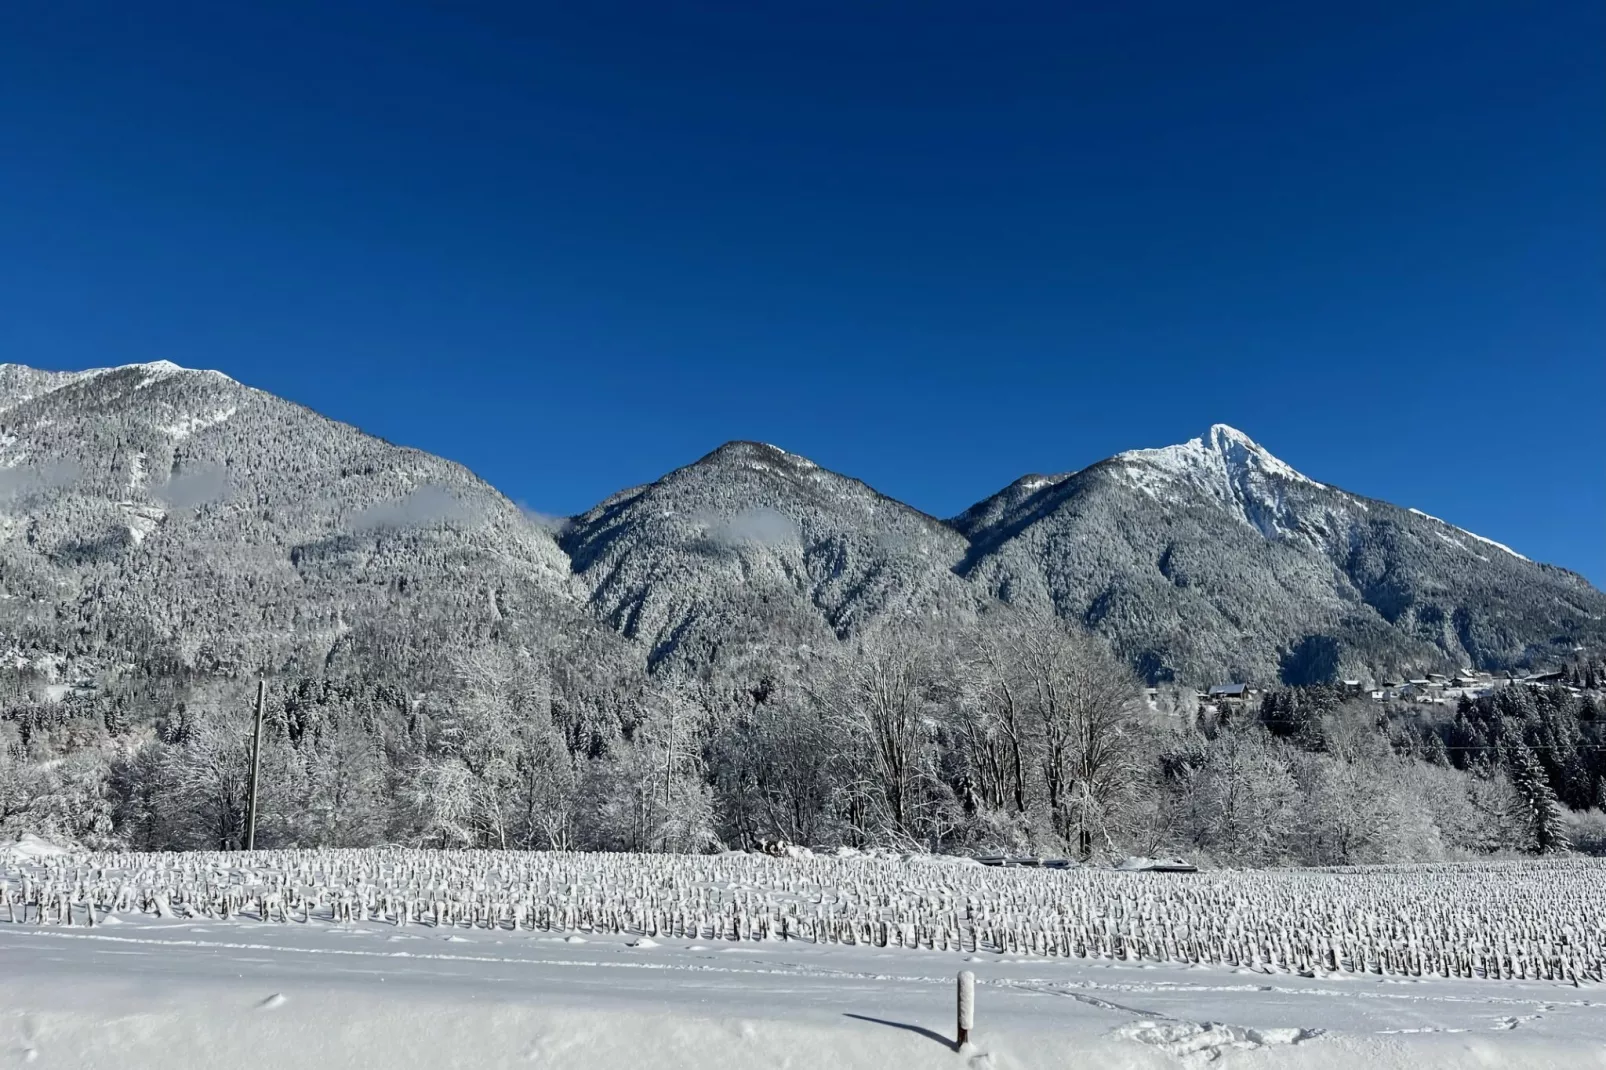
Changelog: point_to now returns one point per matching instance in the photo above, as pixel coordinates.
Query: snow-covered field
(501, 959)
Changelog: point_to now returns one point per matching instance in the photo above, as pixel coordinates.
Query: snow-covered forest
(1016, 734)
(750, 649)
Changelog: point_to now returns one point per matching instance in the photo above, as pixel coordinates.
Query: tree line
(1016, 733)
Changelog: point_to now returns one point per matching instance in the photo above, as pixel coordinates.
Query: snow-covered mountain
(177, 520)
(1214, 560)
(159, 516)
(754, 543)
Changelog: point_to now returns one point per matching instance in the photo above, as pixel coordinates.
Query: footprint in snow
(1206, 1041)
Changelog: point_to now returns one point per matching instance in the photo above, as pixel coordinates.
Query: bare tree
(346, 780)
(1240, 801)
(649, 793)
(545, 788)
(441, 795)
(776, 768)
(884, 699)
(209, 771)
(498, 714)
(995, 713)
(1085, 708)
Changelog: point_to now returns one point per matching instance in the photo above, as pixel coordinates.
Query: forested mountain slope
(178, 521)
(1213, 560)
(752, 543)
(751, 646)
(181, 522)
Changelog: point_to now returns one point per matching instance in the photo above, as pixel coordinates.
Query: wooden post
(967, 1007)
(256, 767)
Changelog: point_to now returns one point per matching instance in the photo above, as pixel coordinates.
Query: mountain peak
(747, 456)
(747, 450)
(1225, 465)
(159, 367)
(23, 381)
(1221, 453)
(1223, 435)
(149, 365)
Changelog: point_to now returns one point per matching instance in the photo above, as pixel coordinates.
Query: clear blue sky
(933, 245)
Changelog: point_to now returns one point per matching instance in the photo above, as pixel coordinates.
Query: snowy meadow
(592, 960)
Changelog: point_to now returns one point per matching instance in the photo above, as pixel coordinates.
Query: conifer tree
(1550, 833)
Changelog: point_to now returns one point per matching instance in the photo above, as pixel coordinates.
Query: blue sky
(932, 245)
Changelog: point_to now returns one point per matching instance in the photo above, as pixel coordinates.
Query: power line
(1530, 746)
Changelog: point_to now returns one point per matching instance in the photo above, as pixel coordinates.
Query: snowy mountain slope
(19, 383)
(180, 521)
(163, 516)
(754, 542)
(1214, 560)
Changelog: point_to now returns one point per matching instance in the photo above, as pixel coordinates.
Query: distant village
(1434, 689)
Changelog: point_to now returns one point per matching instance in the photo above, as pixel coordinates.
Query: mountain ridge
(1340, 582)
(1204, 560)
(164, 515)
(750, 533)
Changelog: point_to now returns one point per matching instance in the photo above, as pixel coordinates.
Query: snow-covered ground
(141, 990)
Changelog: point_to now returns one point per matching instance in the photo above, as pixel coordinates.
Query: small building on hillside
(1422, 691)
(1229, 696)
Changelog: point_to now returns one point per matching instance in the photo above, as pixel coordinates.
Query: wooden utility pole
(256, 768)
(669, 756)
(967, 1009)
